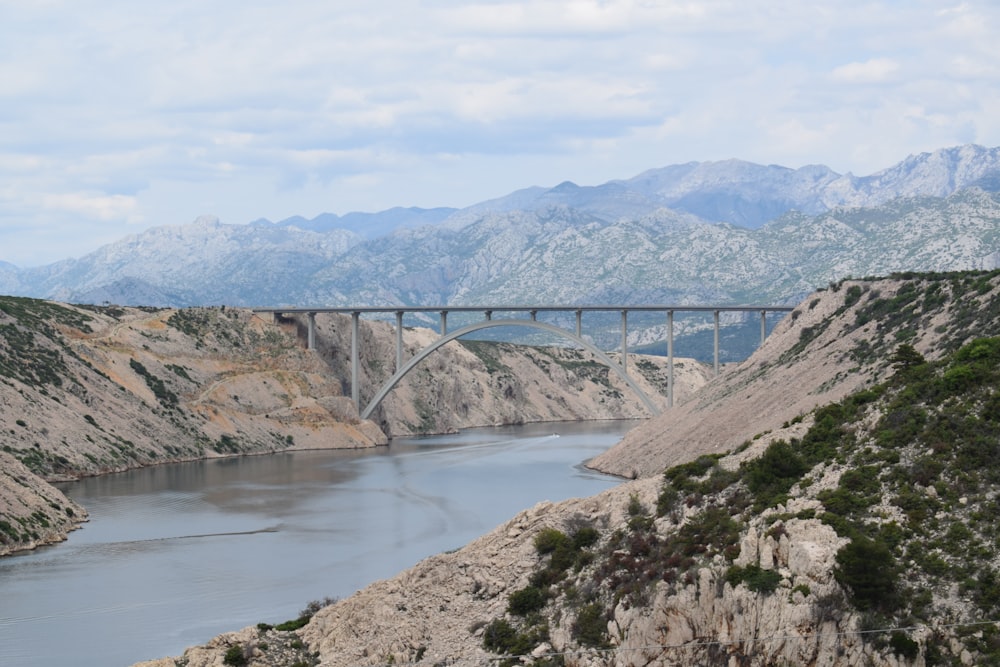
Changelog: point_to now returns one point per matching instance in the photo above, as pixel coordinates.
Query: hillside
(862, 533)
(92, 390)
(836, 342)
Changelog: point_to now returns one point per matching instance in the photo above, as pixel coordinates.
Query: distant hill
(365, 225)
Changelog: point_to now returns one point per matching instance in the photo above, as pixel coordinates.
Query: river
(176, 554)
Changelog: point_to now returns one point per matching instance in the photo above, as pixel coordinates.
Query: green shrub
(639, 518)
(525, 601)
(295, 624)
(667, 500)
(684, 477)
(843, 502)
(500, 636)
(586, 536)
(770, 476)
(155, 384)
(824, 438)
(984, 351)
(852, 296)
(756, 578)
(985, 590)
(591, 626)
(906, 357)
(549, 540)
(709, 532)
(902, 645)
(868, 570)
(235, 656)
(802, 588)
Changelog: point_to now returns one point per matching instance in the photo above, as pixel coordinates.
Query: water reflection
(176, 554)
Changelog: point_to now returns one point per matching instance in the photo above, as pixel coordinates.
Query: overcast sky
(117, 115)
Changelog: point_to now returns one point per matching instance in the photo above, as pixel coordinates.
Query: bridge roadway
(619, 368)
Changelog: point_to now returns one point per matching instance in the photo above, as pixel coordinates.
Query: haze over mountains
(719, 232)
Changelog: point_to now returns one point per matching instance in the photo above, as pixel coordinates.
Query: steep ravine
(92, 390)
(849, 535)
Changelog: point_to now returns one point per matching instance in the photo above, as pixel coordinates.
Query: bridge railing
(532, 310)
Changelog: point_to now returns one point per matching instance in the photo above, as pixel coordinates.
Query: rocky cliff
(92, 390)
(851, 528)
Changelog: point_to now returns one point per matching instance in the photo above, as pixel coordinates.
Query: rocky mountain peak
(935, 174)
(728, 231)
(206, 220)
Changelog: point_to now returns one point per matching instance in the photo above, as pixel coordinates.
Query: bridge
(621, 369)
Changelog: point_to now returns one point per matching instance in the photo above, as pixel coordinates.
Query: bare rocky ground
(436, 612)
(87, 391)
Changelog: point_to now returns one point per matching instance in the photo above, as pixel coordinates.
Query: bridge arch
(391, 383)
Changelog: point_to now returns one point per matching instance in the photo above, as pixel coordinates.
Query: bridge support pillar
(716, 346)
(311, 335)
(620, 368)
(670, 358)
(355, 359)
(399, 339)
(625, 341)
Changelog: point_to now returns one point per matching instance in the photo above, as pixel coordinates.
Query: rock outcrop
(33, 512)
(437, 612)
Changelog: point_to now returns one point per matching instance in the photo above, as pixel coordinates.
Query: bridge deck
(356, 311)
(526, 309)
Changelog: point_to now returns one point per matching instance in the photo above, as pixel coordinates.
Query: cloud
(875, 70)
(570, 17)
(92, 205)
(115, 116)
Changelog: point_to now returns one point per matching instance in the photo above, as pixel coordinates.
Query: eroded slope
(835, 342)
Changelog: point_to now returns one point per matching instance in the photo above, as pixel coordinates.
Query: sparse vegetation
(753, 577)
(921, 446)
(937, 422)
(166, 397)
(31, 348)
(236, 656)
(487, 353)
(558, 553)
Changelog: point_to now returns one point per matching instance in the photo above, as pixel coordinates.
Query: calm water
(177, 554)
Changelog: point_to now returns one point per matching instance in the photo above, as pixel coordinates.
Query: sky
(116, 116)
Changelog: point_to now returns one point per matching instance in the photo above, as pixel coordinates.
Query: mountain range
(703, 232)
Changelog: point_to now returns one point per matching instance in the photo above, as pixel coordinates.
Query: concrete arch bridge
(515, 317)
